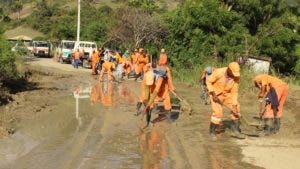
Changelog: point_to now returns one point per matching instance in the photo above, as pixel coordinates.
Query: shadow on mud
(15, 85)
(249, 131)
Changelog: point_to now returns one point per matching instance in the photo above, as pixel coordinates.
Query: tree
(225, 29)
(136, 27)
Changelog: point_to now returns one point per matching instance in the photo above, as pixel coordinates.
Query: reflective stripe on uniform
(213, 118)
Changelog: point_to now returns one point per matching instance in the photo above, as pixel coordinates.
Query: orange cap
(235, 68)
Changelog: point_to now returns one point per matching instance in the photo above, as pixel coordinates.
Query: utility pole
(78, 22)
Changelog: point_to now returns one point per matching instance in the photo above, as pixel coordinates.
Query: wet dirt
(73, 121)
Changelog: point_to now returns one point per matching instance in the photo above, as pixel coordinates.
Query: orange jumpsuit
(120, 59)
(226, 90)
(161, 91)
(135, 58)
(146, 90)
(163, 59)
(107, 67)
(95, 60)
(142, 61)
(281, 89)
(127, 66)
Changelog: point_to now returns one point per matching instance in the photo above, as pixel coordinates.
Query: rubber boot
(236, 131)
(212, 130)
(268, 128)
(238, 125)
(167, 113)
(137, 76)
(138, 107)
(148, 117)
(277, 123)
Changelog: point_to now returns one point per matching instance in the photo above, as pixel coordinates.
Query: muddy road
(68, 120)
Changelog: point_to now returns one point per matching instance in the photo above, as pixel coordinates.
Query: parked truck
(64, 50)
(86, 48)
(41, 48)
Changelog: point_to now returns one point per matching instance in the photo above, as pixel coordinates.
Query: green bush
(7, 61)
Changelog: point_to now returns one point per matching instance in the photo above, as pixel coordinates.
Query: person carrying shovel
(108, 67)
(202, 81)
(163, 83)
(275, 92)
(222, 86)
(147, 86)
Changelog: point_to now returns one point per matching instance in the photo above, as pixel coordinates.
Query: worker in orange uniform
(275, 92)
(147, 86)
(204, 92)
(134, 59)
(163, 84)
(142, 60)
(223, 89)
(163, 58)
(95, 60)
(205, 74)
(76, 59)
(120, 60)
(101, 58)
(108, 67)
(127, 66)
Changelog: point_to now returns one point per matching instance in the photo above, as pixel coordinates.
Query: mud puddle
(91, 127)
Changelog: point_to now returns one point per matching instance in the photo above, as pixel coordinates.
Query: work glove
(214, 97)
(260, 95)
(147, 109)
(235, 111)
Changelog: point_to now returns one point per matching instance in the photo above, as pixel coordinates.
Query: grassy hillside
(22, 30)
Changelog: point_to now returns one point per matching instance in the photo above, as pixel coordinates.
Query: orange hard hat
(235, 68)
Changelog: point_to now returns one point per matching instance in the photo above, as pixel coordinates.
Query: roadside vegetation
(196, 33)
(12, 69)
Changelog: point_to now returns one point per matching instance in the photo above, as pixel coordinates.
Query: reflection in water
(102, 93)
(80, 93)
(109, 95)
(125, 95)
(154, 150)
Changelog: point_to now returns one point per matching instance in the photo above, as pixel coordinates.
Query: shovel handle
(175, 94)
